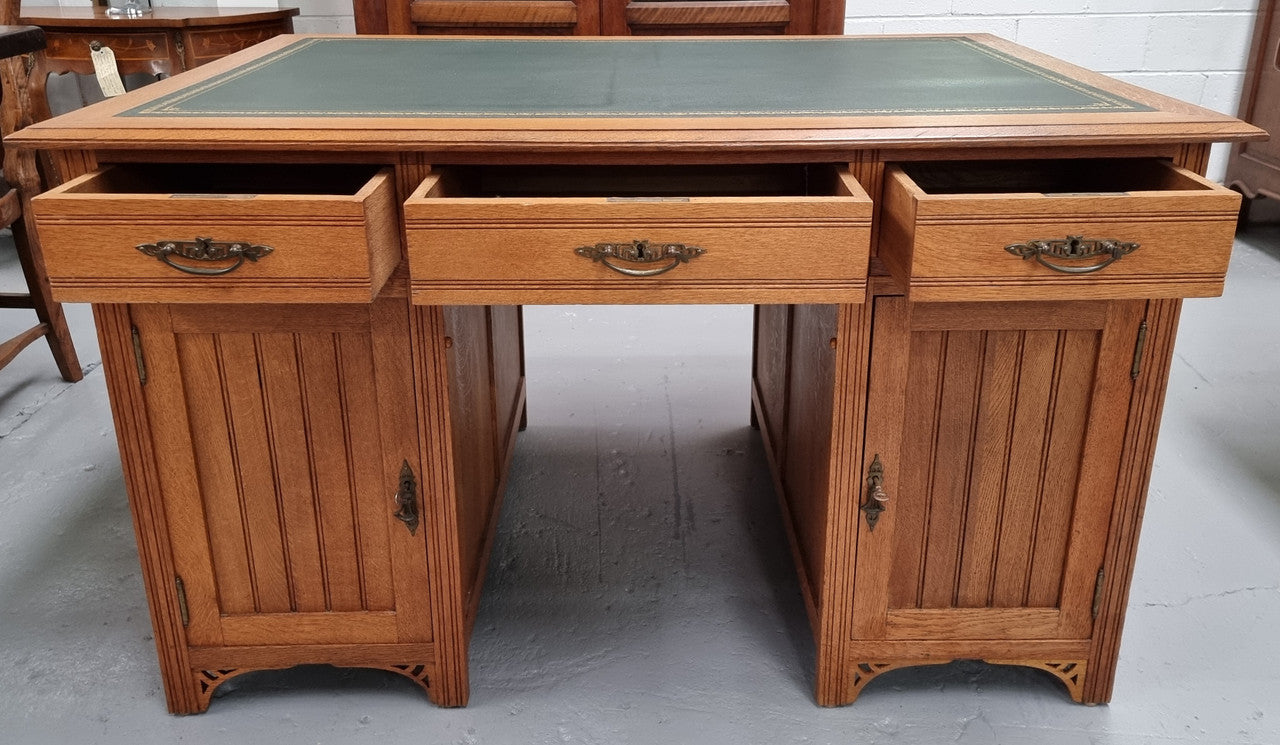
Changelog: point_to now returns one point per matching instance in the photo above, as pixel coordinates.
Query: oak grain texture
(138, 458)
(1016, 442)
(951, 246)
(810, 449)
(757, 249)
(281, 455)
(1000, 449)
(326, 247)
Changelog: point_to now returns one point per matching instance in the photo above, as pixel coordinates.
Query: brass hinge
(1097, 591)
(137, 356)
(1137, 351)
(182, 600)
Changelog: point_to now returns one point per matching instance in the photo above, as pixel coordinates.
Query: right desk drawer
(1055, 230)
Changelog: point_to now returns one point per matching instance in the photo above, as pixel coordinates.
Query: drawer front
(128, 47)
(210, 44)
(598, 250)
(199, 248)
(1058, 247)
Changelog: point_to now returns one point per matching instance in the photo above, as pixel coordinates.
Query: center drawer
(1055, 230)
(721, 234)
(221, 233)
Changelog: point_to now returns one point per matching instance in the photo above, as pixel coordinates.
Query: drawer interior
(1050, 177)
(641, 182)
(188, 179)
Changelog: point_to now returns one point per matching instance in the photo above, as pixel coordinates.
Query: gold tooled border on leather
(171, 104)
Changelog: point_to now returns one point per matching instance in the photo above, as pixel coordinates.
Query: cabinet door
(999, 429)
(280, 434)
(732, 17)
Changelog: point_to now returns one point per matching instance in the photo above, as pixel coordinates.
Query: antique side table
(164, 42)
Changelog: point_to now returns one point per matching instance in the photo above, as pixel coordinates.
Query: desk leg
(142, 482)
(524, 408)
(1145, 409)
(470, 401)
(809, 392)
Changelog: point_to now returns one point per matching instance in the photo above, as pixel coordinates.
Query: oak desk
(967, 259)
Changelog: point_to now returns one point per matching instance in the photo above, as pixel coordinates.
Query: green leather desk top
(741, 99)
(383, 77)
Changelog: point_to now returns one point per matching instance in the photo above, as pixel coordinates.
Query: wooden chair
(18, 45)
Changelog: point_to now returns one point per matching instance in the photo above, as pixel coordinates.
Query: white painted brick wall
(323, 16)
(1195, 50)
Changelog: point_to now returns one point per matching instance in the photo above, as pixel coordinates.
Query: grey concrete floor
(640, 589)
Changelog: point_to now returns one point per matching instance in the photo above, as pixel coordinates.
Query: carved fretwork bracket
(864, 672)
(1070, 672)
(208, 680)
(416, 673)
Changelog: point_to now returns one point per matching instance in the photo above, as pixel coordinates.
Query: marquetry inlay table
(967, 259)
(163, 41)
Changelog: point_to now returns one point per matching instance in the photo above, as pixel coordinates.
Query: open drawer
(226, 233)
(1055, 230)
(714, 234)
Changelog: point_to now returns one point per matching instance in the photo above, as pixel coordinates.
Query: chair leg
(47, 311)
(22, 172)
(10, 349)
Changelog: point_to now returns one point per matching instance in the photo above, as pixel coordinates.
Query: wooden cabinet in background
(599, 17)
(663, 17)
(1254, 167)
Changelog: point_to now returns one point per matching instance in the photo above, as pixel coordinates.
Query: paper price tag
(104, 67)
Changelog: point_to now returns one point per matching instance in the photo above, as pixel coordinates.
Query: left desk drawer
(182, 233)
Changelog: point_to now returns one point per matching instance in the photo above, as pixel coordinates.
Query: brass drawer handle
(205, 249)
(640, 252)
(1073, 248)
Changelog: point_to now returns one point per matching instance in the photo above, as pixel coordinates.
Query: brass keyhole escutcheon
(407, 499)
(877, 499)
